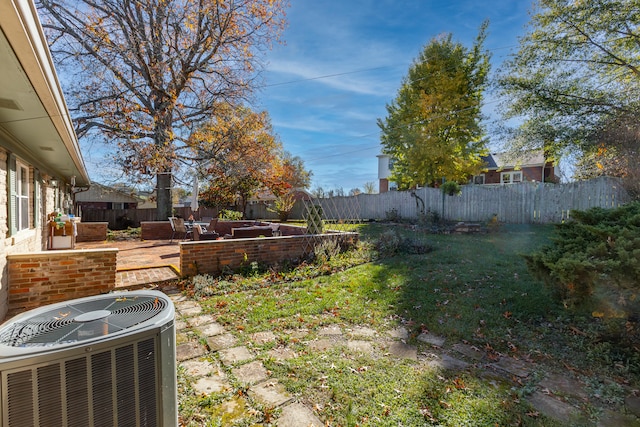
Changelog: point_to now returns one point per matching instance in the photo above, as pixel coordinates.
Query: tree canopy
(577, 69)
(238, 155)
(432, 129)
(144, 75)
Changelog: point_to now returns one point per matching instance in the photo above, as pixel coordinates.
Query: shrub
(594, 261)
(391, 243)
(451, 188)
(392, 215)
(230, 215)
(326, 250)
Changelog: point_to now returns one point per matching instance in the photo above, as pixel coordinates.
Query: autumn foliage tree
(577, 69)
(144, 74)
(432, 129)
(235, 152)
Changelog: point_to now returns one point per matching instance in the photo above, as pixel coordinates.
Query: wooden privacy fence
(527, 202)
(523, 203)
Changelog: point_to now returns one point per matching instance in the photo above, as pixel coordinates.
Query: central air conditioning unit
(108, 360)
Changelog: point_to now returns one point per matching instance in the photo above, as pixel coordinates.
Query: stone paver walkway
(556, 396)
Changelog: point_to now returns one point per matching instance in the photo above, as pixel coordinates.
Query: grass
(469, 288)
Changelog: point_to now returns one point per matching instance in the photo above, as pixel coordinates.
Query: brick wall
(42, 278)
(155, 230)
(91, 231)
(212, 256)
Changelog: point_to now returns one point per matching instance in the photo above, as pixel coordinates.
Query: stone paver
(270, 393)
(331, 330)
(323, 344)
(431, 339)
(201, 320)
(185, 305)
(400, 350)
(400, 333)
(212, 384)
(513, 366)
(229, 356)
(554, 408)
(198, 368)
(444, 361)
(219, 342)
(560, 384)
(297, 333)
(211, 329)
(261, 338)
(363, 331)
(469, 351)
(361, 346)
(251, 373)
(298, 415)
(189, 350)
(282, 353)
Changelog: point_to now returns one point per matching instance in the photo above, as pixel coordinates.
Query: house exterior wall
(30, 240)
(533, 173)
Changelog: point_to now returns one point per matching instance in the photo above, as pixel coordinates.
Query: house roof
(506, 161)
(102, 193)
(34, 119)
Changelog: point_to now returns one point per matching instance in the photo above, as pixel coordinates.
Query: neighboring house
(40, 160)
(265, 196)
(499, 169)
(385, 165)
(502, 169)
(102, 197)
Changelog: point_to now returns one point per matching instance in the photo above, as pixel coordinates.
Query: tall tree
(289, 174)
(148, 72)
(613, 150)
(237, 153)
(577, 68)
(432, 129)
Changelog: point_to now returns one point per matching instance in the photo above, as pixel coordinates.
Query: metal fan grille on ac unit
(68, 323)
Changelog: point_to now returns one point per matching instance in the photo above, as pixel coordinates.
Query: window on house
(118, 205)
(511, 177)
(478, 179)
(22, 196)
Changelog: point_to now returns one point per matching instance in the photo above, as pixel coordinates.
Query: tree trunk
(164, 206)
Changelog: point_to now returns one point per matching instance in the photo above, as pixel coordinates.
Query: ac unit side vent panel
(93, 390)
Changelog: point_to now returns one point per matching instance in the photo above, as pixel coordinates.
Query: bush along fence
(523, 203)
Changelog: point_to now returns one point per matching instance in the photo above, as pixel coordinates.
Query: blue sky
(344, 60)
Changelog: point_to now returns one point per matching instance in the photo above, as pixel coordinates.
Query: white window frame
(22, 195)
(510, 177)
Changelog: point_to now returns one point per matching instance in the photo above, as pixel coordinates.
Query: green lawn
(469, 288)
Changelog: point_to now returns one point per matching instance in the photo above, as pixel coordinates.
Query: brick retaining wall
(41, 278)
(91, 231)
(213, 256)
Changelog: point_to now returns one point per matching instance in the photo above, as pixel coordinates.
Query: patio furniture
(178, 227)
(200, 233)
(251, 232)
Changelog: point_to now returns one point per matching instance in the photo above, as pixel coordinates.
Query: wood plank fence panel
(523, 203)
